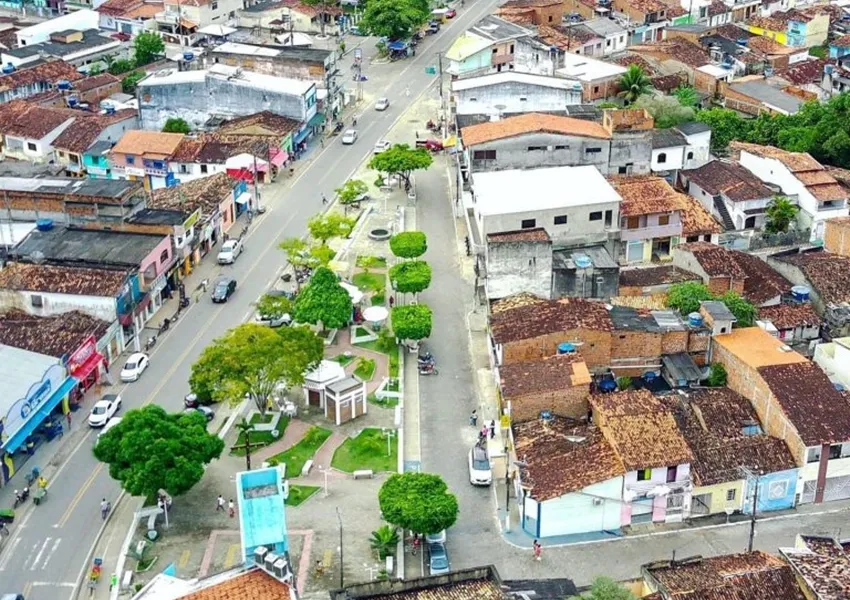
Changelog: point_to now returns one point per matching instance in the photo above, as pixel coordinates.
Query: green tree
(780, 213)
(129, 83)
(297, 252)
(253, 361)
(325, 227)
(245, 429)
(120, 66)
(176, 125)
(411, 277)
(384, 541)
(633, 84)
(716, 375)
(394, 19)
(667, 111)
(152, 450)
(95, 69)
(147, 47)
(411, 322)
(323, 300)
(420, 502)
(409, 244)
(401, 159)
(351, 191)
(726, 125)
(745, 313)
(274, 307)
(685, 297)
(605, 588)
(321, 255)
(686, 95)
(322, 11)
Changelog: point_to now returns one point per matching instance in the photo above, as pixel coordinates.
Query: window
(622, 170)
(596, 216)
(730, 495)
(512, 49)
(634, 251)
(32, 146)
(664, 220)
(163, 258)
(690, 155)
(484, 155)
(131, 160)
(609, 217)
(215, 5)
(529, 223)
(662, 158)
(631, 223)
(550, 18)
(184, 169)
(562, 147)
(692, 238)
(644, 475)
(592, 150)
(204, 168)
(596, 89)
(835, 451)
(158, 164)
(671, 474)
(37, 301)
(607, 43)
(706, 238)
(675, 502)
(813, 455)
(523, 99)
(495, 51)
(560, 220)
(473, 99)
(536, 148)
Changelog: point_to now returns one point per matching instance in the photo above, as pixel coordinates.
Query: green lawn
(371, 262)
(299, 493)
(264, 438)
(301, 452)
(373, 282)
(361, 332)
(365, 369)
(393, 354)
(388, 403)
(343, 359)
(378, 299)
(367, 451)
(258, 418)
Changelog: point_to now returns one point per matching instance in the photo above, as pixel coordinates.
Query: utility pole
(341, 556)
(440, 65)
(753, 474)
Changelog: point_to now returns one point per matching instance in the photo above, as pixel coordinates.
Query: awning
(85, 369)
(316, 120)
(280, 158)
(20, 436)
(243, 198)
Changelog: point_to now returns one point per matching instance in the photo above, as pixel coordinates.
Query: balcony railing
(651, 232)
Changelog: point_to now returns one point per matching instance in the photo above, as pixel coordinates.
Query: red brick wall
(635, 344)
(718, 285)
(705, 83)
(571, 403)
(595, 347)
(674, 341)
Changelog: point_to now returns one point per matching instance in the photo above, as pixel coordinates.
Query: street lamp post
(341, 555)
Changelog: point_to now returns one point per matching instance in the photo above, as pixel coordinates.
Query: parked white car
(480, 472)
(380, 146)
(104, 409)
(349, 137)
(134, 367)
(382, 104)
(109, 425)
(230, 251)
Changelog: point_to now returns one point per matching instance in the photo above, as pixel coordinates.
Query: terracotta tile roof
(216, 148)
(789, 316)
(658, 302)
(94, 82)
(747, 576)
(85, 131)
(521, 16)
(642, 431)
(546, 449)
(626, 60)
(205, 193)
(678, 49)
(471, 589)
(817, 410)
(515, 301)
(49, 72)
(646, 277)
(644, 195)
(717, 8)
(251, 585)
(548, 316)
(257, 123)
(824, 567)
(531, 123)
(647, 6)
(559, 372)
(537, 234)
(828, 273)
(841, 42)
(675, 11)
(154, 143)
(566, 38)
(713, 259)
(769, 23)
(667, 83)
(187, 150)
(713, 422)
(117, 8)
(76, 281)
(730, 179)
(801, 73)
(22, 119)
(767, 45)
(148, 10)
(57, 335)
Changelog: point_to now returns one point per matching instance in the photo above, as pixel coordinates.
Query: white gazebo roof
(328, 371)
(355, 294)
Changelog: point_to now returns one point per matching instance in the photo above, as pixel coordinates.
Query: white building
(30, 130)
(834, 359)
(615, 36)
(80, 20)
(683, 147)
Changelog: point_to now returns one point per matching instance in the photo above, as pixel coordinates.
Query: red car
(451, 14)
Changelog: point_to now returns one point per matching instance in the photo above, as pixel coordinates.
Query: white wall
(673, 158)
(578, 222)
(193, 170)
(78, 21)
(577, 512)
(53, 304)
(699, 144)
(43, 148)
(508, 96)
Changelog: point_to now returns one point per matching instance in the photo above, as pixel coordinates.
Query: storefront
(84, 366)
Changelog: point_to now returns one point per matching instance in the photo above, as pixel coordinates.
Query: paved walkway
(382, 361)
(323, 458)
(291, 436)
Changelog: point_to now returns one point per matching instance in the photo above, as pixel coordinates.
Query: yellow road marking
(232, 552)
(79, 496)
(27, 589)
(184, 559)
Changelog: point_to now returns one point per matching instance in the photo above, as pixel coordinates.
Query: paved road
(45, 555)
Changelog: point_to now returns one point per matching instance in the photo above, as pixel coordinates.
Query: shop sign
(134, 171)
(81, 355)
(38, 393)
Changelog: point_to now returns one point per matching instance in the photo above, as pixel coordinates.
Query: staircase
(725, 217)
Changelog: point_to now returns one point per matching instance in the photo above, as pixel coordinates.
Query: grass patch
(365, 369)
(371, 262)
(343, 359)
(393, 354)
(301, 452)
(260, 439)
(258, 418)
(367, 451)
(378, 299)
(387, 403)
(392, 385)
(299, 493)
(361, 332)
(373, 282)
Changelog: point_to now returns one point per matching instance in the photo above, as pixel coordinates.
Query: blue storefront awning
(301, 134)
(20, 436)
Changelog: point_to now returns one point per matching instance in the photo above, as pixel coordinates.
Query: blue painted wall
(776, 491)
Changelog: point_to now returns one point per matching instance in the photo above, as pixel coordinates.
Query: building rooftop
(148, 143)
(829, 274)
(95, 81)
(604, 27)
(90, 41)
(236, 75)
(494, 29)
(566, 258)
(534, 319)
(693, 128)
(717, 310)
(819, 412)
(261, 123)
(516, 191)
(678, 49)
(757, 348)
(477, 583)
(31, 121)
(205, 193)
(730, 179)
(768, 95)
(105, 190)
(667, 138)
(531, 123)
(63, 280)
(651, 276)
(588, 69)
(150, 216)
(90, 247)
(644, 195)
(471, 83)
(57, 335)
(559, 372)
(789, 316)
(753, 576)
(49, 72)
(85, 131)
(822, 564)
(537, 234)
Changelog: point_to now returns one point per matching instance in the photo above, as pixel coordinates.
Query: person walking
(68, 418)
(493, 429)
(324, 199)
(219, 504)
(231, 508)
(473, 419)
(537, 549)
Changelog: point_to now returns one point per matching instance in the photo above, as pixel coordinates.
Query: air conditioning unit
(260, 555)
(269, 561)
(281, 570)
(597, 501)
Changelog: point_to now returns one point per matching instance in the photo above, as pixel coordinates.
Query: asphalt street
(49, 545)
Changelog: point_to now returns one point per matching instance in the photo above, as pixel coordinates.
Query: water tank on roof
(566, 348)
(582, 261)
(8, 68)
(72, 101)
(44, 224)
(63, 84)
(742, 41)
(800, 293)
(546, 416)
(768, 71)
(608, 385)
(695, 319)
(110, 109)
(188, 56)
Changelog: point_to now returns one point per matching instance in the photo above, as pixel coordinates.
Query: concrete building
(73, 143)
(225, 92)
(598, 78)
(28, 130)
(181, 20)
(80, 20)
(519, 261)
(834, 358)
(78, 48)
(836, 237)
(130, 17)
(683, 147)
(143, 156)
(558, 385)
(584, 271)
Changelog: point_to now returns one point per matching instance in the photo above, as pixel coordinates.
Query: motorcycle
(428, 370)
(150, 343)
(184, 302)
(426, 360)
(21, 497)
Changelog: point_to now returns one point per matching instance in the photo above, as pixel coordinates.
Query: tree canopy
(401, 159)
(745, 313)
(411, 277)
(129, 83)
(176, 125)
(325, 227)
(633, 84)
(152, 450)
(409, 244)
(147, 47)
(323, 300)
(685, 297)
(420, 502)
(411, 322)
(351, 191)
(686, 95)
(121, 65)
(726, 125)
(780, 213)
(667, 111)
(274, 306)
(394, 19)
(254, 360)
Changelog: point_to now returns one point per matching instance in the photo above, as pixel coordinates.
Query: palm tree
(384, 541)
(780, 213)
(633, 84)
(686, 95)
(245, 428)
